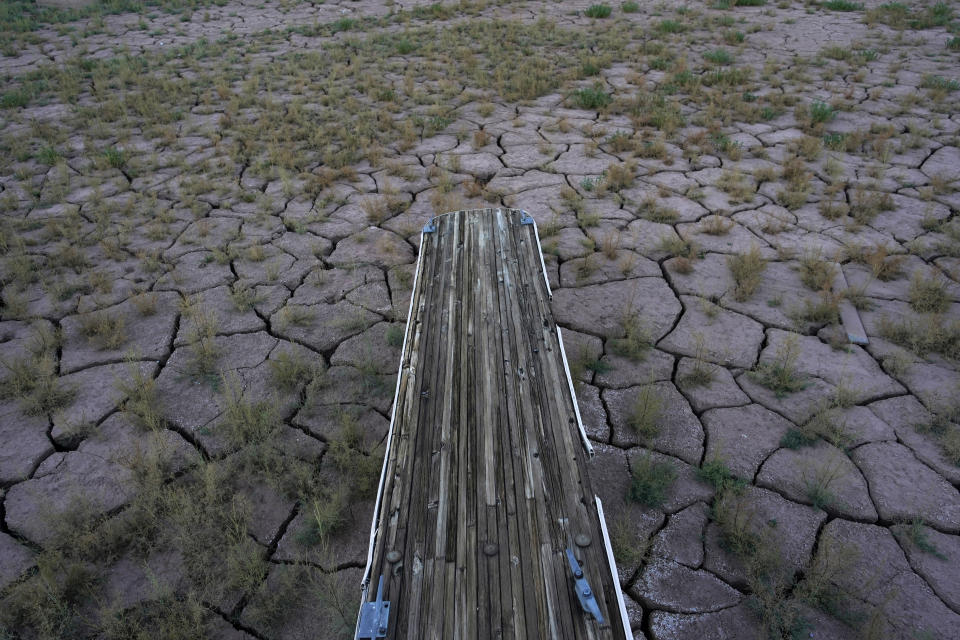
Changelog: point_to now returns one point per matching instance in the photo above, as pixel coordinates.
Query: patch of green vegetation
(645, 413)
(821, 112)
(24, 16)
(917, 534)
(14, 98)
(835, 141)
(939, 83)
(636, 338)
(48, 156)
(900, 15)
(513, 61)
(928, 295)
(717, 474)
(394, 335)
(598, 11)
(115, 157)
(718, 56)
(942, 428)
(327, 515)
(818, 483)
(244, 421)
(796, 438)
(816, 273)
(653, 109)
(630, 7)
(629, 549)
(734, 37)
(660, 64)
(746, 269)
(288, 370)
(842, 5)
(592, 97)
(780, 373)
(671, 26)
(651, 480)
(929, 334)
(33, 382)
(344, 24)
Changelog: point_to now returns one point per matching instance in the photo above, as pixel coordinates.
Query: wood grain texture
(485, 483)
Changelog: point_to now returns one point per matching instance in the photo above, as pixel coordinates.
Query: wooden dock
(484, 486)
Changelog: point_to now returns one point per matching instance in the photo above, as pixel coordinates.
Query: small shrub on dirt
(651, 480)
(868, 205)
(106, 330)
(819, 481)
(702, 372)
(917, 534)
(288, 370)
(842, 5)
(717, 474)
(394, 335)
(33, 381)
(815, 272)
(645, 413)
(939, 83)
(780, 374)
(636, 338)
(671, 26)
(746, 269)
(883, 266)
(629, 549)
(592, 97)
(326, 516)
(924, 335)
(598, 11)
(245, 421)
(928, 294)
(619, 175)
(718, 56)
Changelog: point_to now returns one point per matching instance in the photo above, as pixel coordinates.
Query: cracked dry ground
(210, 221)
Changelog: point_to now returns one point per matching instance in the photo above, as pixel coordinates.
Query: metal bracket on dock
(526, 219)
(431, 226)
(588, 601)
(374, 616)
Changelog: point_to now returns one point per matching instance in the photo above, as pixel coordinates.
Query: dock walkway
(485, 486)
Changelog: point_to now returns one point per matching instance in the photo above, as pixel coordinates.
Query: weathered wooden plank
(485, 483)
(489, 408)
(849, 316)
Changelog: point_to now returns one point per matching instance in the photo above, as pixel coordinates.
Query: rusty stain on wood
(485, 482)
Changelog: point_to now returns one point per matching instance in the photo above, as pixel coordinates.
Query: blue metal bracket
(431, 226)
(374, 616)
(584, 593)
(526, 218)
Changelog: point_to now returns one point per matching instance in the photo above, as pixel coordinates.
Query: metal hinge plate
(584, 593)
(374, 616)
